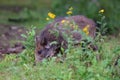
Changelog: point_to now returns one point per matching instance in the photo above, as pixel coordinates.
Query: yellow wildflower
(75, 27)
(69, 12)
(87, 33)
(47, 18)
(86, 29)
(63, 21)
(71, 8)
(102, 11)
(51, 15)
(71, 25)
(67, 21)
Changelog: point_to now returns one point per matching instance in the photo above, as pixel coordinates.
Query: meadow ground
(103, 65)
(100, 65)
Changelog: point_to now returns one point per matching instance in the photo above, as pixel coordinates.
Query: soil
(10, 35)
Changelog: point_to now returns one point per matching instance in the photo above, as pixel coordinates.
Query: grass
(99, 65)
(29, 10)
(37, 3)
(31, 19)
(75, 67)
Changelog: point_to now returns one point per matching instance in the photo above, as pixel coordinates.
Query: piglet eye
(40, 51)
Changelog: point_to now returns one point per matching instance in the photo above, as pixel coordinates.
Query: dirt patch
(10, 34)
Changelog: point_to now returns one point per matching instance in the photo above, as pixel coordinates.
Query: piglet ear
(37, 43)
(41, 39)
(37, 39)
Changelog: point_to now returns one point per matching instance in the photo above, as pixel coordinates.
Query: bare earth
(10, 34)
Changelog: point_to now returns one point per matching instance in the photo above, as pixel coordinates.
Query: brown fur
(43, 47)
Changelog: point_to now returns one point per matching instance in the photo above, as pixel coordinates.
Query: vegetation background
(27, 15)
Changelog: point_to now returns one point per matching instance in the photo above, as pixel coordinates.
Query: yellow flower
(69, 12)
(75, 27)
(71, 25)
(86, 29)
(71, 8)
(47, 18)
(102, 11)
(63, 21)
(67, 21)
(87, 33)
(51, 15)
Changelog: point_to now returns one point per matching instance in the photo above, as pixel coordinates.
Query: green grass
(98, 65)
(34, 12)
(37, 3)
(34, 18)
(75, 67)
